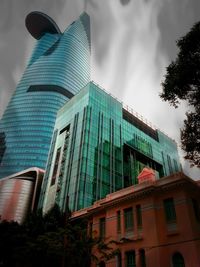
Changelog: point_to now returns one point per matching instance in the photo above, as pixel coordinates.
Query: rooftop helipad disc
(38, 23)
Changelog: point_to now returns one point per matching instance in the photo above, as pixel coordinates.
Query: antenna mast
(85, 5)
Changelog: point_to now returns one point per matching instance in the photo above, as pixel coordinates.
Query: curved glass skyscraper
(58, 68)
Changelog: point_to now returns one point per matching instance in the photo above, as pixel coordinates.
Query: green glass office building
(58, 68)
(99, 147)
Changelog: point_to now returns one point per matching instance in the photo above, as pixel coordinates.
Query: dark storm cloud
(175, 20)
(13, 12)
(124, 2)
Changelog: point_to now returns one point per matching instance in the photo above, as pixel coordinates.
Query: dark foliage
(182, 82)
(51, 240)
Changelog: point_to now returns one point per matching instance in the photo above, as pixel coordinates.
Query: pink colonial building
(155, 223)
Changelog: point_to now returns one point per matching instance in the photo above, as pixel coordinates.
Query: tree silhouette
(182, 82)
(51, 240)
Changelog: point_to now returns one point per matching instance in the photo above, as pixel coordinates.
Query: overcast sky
(133, 41)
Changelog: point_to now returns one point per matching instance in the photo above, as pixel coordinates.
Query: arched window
(130, 259)
(102, 264)
(178, 260)
(119, 259)
(142, 258)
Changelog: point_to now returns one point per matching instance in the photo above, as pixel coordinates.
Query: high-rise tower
(58, 68)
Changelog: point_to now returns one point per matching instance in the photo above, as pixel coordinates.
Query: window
(2, 145)
(128, 219)
(178, 260)
(102, 228)
(169, 164)
(127, 181)
(139, 216)
(119, 259)
(170, 212)
(175, 166)
(196, 209)
(130, 259)
(102, 264)
(139, 124)
(142, 258)
(118, 221)
(90, 229)
(55, 168)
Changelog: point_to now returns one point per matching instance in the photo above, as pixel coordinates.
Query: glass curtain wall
(106, 152)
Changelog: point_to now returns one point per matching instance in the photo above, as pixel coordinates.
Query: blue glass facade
(58, 69)
(98, 147)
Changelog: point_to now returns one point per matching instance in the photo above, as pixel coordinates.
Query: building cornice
(139, 191)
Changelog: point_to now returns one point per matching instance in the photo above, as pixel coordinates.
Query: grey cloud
(176, 19)
(121, 40)
(103, 25)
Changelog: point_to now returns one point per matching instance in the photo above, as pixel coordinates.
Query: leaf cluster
(51, 240)
(182, 82)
